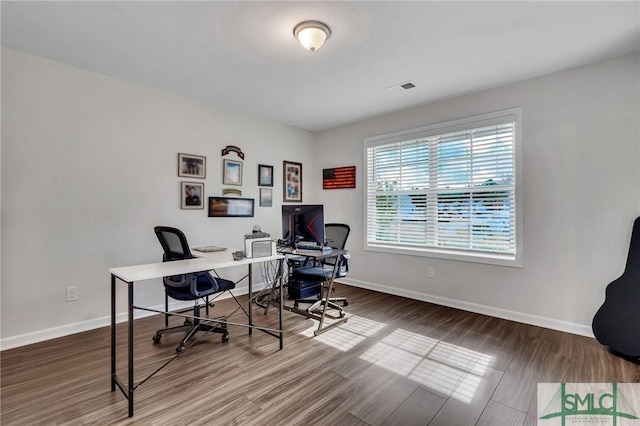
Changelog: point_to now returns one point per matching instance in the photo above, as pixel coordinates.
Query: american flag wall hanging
(339, 177)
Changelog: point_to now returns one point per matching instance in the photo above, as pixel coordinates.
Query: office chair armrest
(209, 277)
(343, 262)
(178, 280)
(310, 261)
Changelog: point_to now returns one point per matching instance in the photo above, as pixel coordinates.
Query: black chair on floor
(192, 287)
(336, 235)
(617, 323)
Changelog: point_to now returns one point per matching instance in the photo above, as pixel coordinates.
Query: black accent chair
(192, 286)
(617, 323)
(336, 235)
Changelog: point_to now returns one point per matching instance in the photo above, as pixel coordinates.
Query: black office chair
(336, 235)
(192, 286)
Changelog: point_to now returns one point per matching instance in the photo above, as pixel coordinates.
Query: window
(449, 190)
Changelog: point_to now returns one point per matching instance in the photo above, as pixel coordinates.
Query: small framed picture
(232, 172)
(292, 181)
(193, 166)
(266, 197)
(265, 175)
(192, 195)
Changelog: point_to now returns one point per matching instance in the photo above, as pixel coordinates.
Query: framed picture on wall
(230, 207)
(232, 172)
(192, 195)
(265, 175)
(193, 166)
(266, 197)
(292, 181)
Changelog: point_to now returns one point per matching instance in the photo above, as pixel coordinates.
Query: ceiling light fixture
(311, 34)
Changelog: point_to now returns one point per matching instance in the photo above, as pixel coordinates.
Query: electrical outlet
(430, 272)
(72, 294)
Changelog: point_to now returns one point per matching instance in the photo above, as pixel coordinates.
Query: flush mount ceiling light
(311, 34)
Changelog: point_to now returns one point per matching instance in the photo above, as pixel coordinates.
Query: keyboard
(308, 246)
(312, 248)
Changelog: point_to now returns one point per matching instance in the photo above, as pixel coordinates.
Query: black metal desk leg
(249, 299)
(113, 333)
(130, 384)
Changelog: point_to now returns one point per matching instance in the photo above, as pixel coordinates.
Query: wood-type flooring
(396, 361)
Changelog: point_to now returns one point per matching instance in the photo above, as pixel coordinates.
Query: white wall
(89, 166)
(581, 143)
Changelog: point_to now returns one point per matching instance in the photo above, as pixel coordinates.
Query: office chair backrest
(175, 246)
(173, 242)
(336, 234)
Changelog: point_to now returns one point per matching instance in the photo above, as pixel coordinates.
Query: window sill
(475, 257)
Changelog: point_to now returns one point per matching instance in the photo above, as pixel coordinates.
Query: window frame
(473, 122)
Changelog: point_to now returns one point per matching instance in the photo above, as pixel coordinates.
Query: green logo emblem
(585, 405)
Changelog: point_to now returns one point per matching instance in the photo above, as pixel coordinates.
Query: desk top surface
(316, 254)
(203, 262)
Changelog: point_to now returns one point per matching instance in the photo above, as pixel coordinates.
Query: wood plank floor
(395, 362)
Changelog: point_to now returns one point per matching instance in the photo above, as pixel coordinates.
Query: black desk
(319, 255)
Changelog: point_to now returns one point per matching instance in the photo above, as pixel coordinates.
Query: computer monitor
(303, 223)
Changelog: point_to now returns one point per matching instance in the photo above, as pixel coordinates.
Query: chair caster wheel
(180, 349)
(225, 337)
(157, 338)
(295, 305)
(345, 303)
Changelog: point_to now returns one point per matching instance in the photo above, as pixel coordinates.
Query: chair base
(318, 303)
(191, 328)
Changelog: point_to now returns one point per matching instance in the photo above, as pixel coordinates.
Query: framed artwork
(266, 197)
(265, 175)
(193, 166)
(230, 207)
(232, 172)
(192, 195)
(292, 181)
(339, 177)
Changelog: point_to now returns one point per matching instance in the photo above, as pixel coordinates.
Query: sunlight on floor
(446, 369)
(450, 370)
(348, 335)
(392, 358)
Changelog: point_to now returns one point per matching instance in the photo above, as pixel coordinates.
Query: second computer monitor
(303, 223)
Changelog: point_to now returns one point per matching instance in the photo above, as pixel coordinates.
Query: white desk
(206, 262)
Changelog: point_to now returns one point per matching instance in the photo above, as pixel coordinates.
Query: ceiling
(242, 57)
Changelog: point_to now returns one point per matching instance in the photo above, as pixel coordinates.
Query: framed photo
(232, 172)
(192, 195)
(193, 166)
(265, 175)
(292, 181)
(230, 207)
(266, 197)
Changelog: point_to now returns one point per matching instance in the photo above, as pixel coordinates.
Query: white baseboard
(551, 323)
(65, 330)
(92, 324)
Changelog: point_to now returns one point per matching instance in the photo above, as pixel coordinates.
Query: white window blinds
(451, 191)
